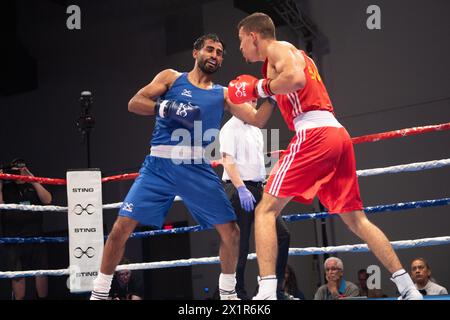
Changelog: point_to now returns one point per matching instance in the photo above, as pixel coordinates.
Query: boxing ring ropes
(386, 208)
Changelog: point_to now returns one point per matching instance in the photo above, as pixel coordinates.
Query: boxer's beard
(202, 64)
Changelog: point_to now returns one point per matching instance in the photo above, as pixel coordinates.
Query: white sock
(227, 282)
(102, 285)
(402, 279)
(267, 286)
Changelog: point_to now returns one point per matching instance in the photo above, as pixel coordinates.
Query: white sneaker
(410, 293)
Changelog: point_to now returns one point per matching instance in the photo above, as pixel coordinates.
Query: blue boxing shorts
(160, 180)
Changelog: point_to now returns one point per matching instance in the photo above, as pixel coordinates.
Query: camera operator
(27, 256)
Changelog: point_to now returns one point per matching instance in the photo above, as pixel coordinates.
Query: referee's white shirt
(246, 144)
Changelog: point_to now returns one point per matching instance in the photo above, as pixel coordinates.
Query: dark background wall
(379, 80)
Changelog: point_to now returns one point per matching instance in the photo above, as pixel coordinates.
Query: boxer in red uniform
(318, 161)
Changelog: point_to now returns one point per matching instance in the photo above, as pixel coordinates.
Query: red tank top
(313, 96)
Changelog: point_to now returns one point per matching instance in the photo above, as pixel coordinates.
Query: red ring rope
(368, 138)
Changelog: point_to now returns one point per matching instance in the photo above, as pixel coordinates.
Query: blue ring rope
(287, 218)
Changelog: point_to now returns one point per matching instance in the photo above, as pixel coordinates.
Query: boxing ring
(352, 248)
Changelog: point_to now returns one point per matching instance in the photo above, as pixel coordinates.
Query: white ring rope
(418, 166)
(32, 207)
(402, 244)
(36, 208)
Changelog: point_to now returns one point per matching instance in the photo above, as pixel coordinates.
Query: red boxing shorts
(318, 161)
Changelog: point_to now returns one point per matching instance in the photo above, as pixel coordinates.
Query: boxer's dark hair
(200, 42)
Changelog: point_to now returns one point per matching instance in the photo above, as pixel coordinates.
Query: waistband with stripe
(315, 119)
(177, 152)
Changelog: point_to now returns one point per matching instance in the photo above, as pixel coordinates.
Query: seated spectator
(362, 283)
(126, 285)
(364, 291)
(421, 275)
(336, 287)
(290, 288)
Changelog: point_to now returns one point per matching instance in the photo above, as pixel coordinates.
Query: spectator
(421, 275)
(290, 287)
(362, 283)
(336, 287)
(364, 291)
(26, 256)
(126, 285)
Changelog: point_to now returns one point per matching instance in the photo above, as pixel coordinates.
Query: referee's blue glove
(247, 198)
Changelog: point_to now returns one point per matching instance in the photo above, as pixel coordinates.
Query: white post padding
(85, 220)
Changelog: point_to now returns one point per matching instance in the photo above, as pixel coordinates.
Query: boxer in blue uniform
(186, 105)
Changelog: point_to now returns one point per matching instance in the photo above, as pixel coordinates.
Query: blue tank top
(211, 104)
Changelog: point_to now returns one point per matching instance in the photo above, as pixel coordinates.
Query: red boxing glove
(246, 88)
(242, 89)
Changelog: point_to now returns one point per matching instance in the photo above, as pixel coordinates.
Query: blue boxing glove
(247, 198)
(183, 113)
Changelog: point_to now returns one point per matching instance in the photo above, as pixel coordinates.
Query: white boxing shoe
(267, 288)
(228, 295)
(410, 293)
(406, 286)
(265, 297)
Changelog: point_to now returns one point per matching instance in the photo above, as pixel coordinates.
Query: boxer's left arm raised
(144, 101)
